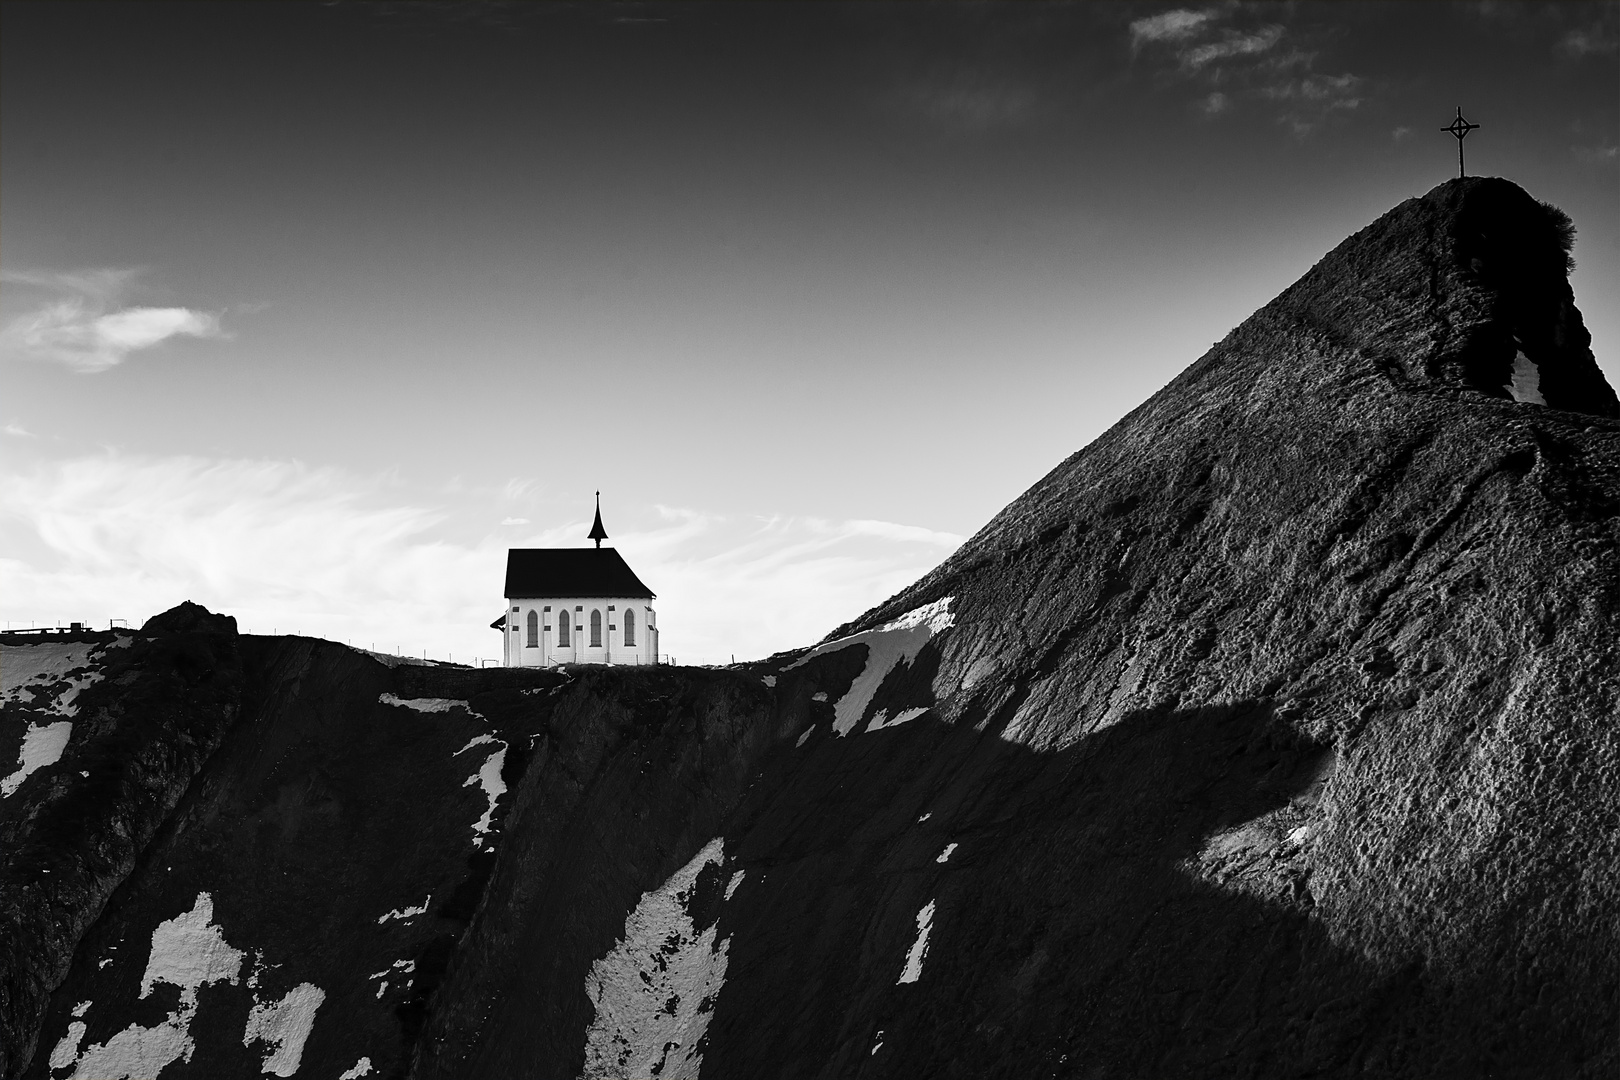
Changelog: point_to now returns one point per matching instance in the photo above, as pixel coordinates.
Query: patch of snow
(258, 966)
(731, 886)
(407, 913)
(654, 991)
(137, 1053)
(1526, 381)
(361, 1068)
(880, 718)
(819, 695)
(24, 668)
(919, 948)
(945, 856)
(382, 988)
(283, 1026)
(894, 641)
(770, 680)
(102, 963)
(878, 1045)
(80, 1009)
(188, 951)
(426, 704)
(405, 966)
(925, 817)
(477, 740)
(1301, 834)
(804, 738)
(67, 1051)
(42, 745)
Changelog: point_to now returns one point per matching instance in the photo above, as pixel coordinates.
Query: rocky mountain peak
(1455, 304)
(1463, 290)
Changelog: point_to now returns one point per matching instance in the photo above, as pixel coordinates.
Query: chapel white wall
(612, 651)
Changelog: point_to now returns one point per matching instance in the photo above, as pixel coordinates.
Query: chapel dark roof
(547, 572)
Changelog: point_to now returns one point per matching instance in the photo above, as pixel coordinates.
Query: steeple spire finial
(598, 533)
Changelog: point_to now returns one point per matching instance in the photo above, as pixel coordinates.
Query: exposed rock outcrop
(1272, 734)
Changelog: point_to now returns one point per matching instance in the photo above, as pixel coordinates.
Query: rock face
(134, 718)
(1273, 734)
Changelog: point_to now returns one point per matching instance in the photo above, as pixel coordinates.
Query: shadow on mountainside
(1131, 906)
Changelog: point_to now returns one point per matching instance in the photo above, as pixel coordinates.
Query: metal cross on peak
(1460, 128)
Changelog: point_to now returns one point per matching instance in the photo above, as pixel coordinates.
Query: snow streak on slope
(406, 913)
(1525, 382)
(894, 641)
(489, 778)
(425, 704)
(881, 718)
(919, 948)
(654, 992)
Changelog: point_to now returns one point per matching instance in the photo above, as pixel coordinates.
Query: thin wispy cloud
(1601, 154)
(101, 284)
(84, 325)
(326, 552)
(1178, 25)
(966, 102)
(1231, 63)
(1231, 45)
(1596, 31)
(1591, 41)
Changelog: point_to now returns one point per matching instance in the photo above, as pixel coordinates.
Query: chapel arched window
(629, 629)
(534, 629)
(596, 628)
(564, 636)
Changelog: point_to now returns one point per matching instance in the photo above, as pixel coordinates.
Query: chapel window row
(564, 637)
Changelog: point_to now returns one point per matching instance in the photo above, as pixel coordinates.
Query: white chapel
(576, 606)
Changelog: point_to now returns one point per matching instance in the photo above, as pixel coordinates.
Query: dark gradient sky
(874, 268)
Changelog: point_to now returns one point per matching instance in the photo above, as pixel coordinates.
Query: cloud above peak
(1229, 45)
(1177, 25)
(83, 326)
(1230, 61)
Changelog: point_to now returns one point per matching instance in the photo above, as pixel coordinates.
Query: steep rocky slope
(107, 731)
(1272, 734)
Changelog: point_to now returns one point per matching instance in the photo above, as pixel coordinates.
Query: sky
(309, 312)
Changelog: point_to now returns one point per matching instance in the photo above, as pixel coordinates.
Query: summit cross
(1460, 128)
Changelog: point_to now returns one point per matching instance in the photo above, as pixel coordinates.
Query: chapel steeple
(598, 533)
